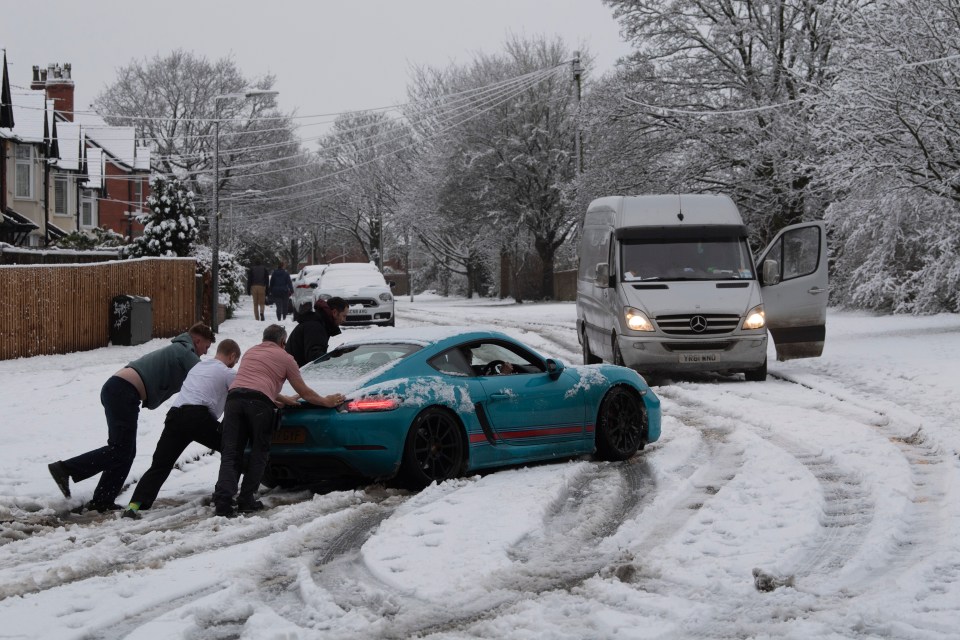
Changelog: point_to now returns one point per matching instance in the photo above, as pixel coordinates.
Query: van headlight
(756, 318)
(637, 320)
(385, 297)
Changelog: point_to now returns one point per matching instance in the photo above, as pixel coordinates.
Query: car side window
(482, 354)
(452, 362)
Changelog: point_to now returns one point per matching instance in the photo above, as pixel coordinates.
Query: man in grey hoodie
(149, 380)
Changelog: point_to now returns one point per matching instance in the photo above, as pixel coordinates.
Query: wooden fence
(59, 309)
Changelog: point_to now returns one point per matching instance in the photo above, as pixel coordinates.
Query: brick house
(60, 175)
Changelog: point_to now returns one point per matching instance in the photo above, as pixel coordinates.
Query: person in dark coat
(310, 339)
(257, 280)
(149, 380)
(281, 288)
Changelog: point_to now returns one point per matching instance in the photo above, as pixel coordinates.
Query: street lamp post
(215, 223)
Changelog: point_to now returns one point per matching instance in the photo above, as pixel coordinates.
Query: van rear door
(793, 277)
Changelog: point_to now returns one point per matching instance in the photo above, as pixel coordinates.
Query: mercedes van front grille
(697, 324)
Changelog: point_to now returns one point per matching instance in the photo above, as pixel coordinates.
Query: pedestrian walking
(252, 411)
(194, 417)
(258, 277)
(281, 288)
(311, 337)
(150, 381)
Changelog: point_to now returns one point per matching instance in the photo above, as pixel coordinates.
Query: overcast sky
(328, 56)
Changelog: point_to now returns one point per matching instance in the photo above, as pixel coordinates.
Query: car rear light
(374, 403)
(303, 286)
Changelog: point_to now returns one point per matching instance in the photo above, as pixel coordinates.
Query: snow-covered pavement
(835, 482)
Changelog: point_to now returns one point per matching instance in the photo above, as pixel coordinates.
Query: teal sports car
(431, 404)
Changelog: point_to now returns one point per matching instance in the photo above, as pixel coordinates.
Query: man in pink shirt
(250, 415)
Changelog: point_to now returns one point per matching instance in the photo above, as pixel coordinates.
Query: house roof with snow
(69, 139)
(121, 144)
(29, 113)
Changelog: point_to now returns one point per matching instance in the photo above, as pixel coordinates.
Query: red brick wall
(115, 202)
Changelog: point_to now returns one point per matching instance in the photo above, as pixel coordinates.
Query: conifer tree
(170, 227)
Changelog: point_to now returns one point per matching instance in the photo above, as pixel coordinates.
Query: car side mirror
(771, 272)
(314, 285)
(603, 275)
(554, 368)
(391, 284)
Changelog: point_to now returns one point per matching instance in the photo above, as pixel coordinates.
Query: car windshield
(344, 279)
(713, 259)
(355, 361)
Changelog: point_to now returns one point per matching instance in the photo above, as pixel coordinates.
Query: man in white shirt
(193, 418)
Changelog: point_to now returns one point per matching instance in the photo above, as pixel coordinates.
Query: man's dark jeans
(249, 416)
(183, 425)
(121, 404)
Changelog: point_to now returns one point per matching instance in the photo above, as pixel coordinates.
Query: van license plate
(699, 357)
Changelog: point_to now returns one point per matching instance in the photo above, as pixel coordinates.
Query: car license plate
(699, 357)
(290, 436)
(353, 311)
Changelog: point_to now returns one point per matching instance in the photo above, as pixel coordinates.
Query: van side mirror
(603, 275)
(554, 368)
(771, 272)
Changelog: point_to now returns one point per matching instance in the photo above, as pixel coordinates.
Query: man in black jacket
(310, 338)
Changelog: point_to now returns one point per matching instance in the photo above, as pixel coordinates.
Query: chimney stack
(57, 82)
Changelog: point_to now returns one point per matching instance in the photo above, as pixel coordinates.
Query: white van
(667, 284)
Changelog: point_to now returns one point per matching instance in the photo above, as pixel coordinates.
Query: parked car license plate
(290, 436)
(699, 357)
(352, 311)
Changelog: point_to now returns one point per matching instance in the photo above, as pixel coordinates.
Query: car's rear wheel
(621, 424)
(588, 356)
(433, 451)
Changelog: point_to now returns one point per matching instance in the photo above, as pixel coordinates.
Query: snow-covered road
(834, 485)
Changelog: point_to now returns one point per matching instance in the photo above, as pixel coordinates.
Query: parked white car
(305, 285)
(363, 287)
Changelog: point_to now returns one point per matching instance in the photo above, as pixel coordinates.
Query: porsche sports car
(433, 404)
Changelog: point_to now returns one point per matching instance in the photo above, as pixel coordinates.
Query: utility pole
(577, 75)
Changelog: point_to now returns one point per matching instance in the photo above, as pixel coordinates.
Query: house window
(137, 194)
(61, 196)
(24, 186)
(88, 210)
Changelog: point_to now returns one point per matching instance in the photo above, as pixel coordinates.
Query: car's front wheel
(433, 451)
(621, 423)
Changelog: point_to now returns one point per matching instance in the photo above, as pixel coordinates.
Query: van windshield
(686, 259)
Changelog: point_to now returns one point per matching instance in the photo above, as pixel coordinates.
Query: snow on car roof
(420, 335)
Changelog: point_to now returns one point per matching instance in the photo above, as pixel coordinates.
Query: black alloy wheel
(433, 451)
(621, 424)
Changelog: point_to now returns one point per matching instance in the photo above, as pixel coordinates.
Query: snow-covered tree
(717, 95)
(512, 161)
(170, 225)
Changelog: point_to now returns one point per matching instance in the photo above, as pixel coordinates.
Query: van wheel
(588, 356)
(617, 355)
(757, 375)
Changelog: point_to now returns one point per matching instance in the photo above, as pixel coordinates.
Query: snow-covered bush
(895, 252)
(170, 226)
(232, 275)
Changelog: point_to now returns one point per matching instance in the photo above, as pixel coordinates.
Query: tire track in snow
(64, 556)
(933, 471)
